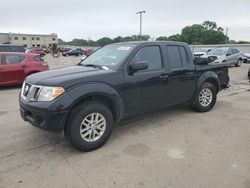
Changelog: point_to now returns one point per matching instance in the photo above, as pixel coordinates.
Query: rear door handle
(164, 77)
(189, 73)
(25, 66)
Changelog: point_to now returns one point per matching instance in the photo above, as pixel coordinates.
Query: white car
(202, 51)
(247, 58)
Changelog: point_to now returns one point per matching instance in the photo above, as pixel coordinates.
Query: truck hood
(67, 77)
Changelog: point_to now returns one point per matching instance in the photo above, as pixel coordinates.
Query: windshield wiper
(92, 65)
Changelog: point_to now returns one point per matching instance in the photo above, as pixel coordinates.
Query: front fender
(80, 92)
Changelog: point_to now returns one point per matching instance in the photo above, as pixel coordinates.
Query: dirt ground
(175, 147)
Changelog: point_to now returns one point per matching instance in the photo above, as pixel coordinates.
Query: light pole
(141, 12)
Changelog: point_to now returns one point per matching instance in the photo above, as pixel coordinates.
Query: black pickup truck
(118, 81)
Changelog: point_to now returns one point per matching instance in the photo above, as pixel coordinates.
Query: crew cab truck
(118, 81)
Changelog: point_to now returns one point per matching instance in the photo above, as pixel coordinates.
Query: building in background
(28, 40)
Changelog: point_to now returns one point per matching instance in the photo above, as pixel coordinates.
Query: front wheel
(205, 98)
(90, 126)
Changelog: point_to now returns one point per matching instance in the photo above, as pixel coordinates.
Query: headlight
(49, 93)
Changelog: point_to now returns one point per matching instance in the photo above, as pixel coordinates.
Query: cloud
(95, 19)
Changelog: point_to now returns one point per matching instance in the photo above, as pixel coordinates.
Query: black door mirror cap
(140, 65)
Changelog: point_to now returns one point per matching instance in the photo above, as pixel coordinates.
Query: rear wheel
(205, 98)
(239, 62)
(90, 125)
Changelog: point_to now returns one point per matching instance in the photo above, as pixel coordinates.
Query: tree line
(206, 33)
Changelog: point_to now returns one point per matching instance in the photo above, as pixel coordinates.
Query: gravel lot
(175, 147)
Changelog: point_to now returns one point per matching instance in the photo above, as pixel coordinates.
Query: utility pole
(226, 35)
(141, 12)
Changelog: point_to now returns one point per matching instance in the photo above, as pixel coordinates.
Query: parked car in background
(247, 58)
(231, 56)
(64, 49)
(72, 53)
(15, 66)
(202, 51)
(80, 50)
(88, 52)
(26, 50)
(11, 48)
(37, 50)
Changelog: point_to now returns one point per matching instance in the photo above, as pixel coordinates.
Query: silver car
(231, 56)
(202, 51)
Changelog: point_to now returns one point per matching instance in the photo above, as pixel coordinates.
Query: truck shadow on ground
(128, 126)
(145, 122)
(151, 119)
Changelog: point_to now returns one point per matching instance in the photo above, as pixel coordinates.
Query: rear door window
(174, 57)
(184, 57)
(235, 51)
(14, 59)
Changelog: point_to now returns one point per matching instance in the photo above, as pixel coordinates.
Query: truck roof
(153, 42)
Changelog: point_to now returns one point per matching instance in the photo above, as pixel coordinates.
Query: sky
(94, 19)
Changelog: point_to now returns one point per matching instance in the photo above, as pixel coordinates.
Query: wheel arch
(103, 93)
(209, 77)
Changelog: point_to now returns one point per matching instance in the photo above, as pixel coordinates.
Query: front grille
(30, 92)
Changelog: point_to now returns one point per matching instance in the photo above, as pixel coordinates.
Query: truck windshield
(110, 56)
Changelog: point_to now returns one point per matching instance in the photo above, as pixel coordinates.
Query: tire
(202, 104)
(239, 62)
(83, 115)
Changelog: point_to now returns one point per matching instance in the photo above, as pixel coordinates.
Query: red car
(39, 51)
(15, 66)
(88, 52)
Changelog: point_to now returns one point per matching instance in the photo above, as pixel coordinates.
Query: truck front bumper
(39, 114)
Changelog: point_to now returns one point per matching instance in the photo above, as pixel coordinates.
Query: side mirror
(228, 54)
(141, 65)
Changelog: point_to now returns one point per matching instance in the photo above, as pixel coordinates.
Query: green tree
(162, 38)
(193, 34)
(176, 37)
(209, 25)
(104, 41)
(61, 42)
(214, 37)
(118, 39)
